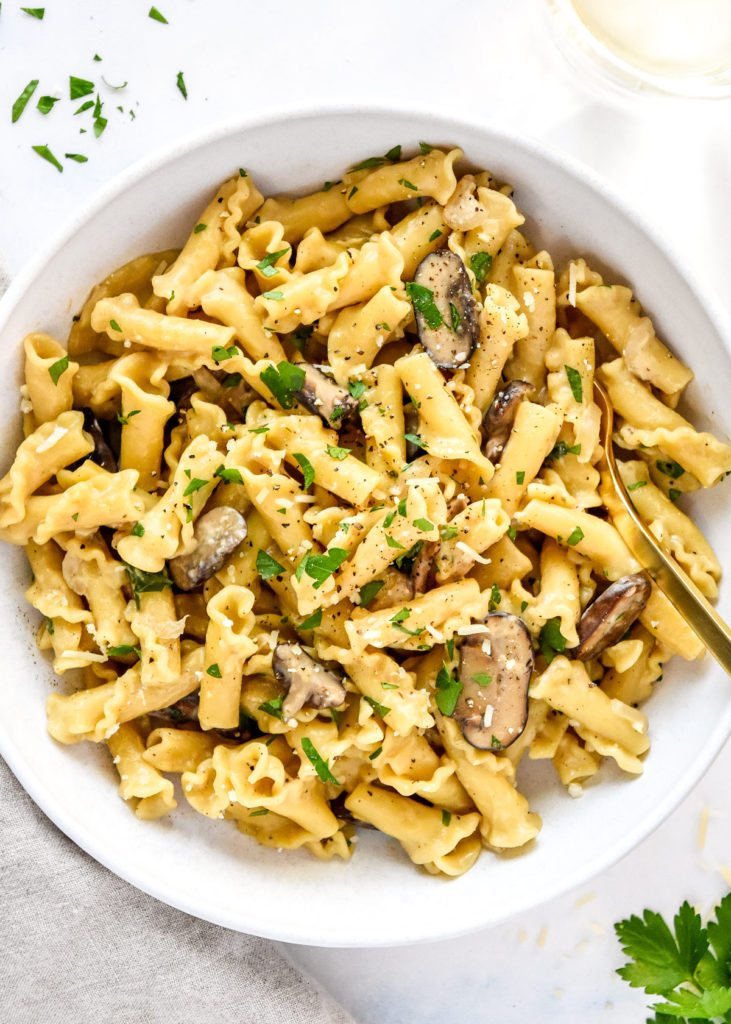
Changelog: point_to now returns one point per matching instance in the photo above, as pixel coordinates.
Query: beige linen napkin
(81, 946)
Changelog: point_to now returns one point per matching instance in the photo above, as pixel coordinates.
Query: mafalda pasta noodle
(314, 508)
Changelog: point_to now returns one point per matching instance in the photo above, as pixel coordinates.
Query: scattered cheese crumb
(575, 790)
(472, 553)
(476, 627)
(53, 438)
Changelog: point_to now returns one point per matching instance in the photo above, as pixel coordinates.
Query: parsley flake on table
(46, 153)
(318, 763)
(35, 12)
(78, 157)
(156, 16)
(181, 85)
(46, 104)
(79, 87)
(22, 100)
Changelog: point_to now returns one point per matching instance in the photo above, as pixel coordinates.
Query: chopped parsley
(78, 157)
(448, 532)
(273, 707)
(317, 762)
(198, 228)
(266, 265)
(424, 524)
(389, 686)
(495, 597)
(219, 354)
(482, 678)
(422, 299)
(257, 814)
(408, 184)
(446, 818)
(575, 383)
(434, 235)
(156, 16)
(561, 448)
(448, 691)
(122, 650)
(308, 470)
(138, 530)
(115, 326)
(124, 418)
(575, 536)
(551, 640)
(79, 87)
(46, 104)
(146, 582)
(375, 754)
(636, 485)
(670, 468)
(229, 475)
(380, 709)
(22, 100)
(368, 591)
(181, 85)
(195, 485)
(56, 369)
(455, 317)
(393, 543)
(283, 381)
(338, 453)
(356, 388)
(267, 566)
(674, 494)
(35, 12)
(312, 621)
(520, 476)
(321, 567)
(214, 670)
(480, 263)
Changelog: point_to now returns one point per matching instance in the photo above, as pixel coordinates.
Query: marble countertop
(496, 63)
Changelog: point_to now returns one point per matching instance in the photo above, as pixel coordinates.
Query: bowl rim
(127, 179)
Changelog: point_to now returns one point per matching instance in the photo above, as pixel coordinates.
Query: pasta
(309, 565)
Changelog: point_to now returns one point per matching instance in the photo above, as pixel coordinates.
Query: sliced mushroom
(185, 712)
(102, 455)
(217, 534)
(498, 420)
(495, 669)
(609, 617)
(446, 312)
(306, 680)
(230, 391)
(323, 396)
(424, 562)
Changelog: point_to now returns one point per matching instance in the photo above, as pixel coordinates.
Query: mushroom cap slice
(609, 617)
(306, 680)
(102, 455)
(217, 534)
(500, 416)
(324, 397)
(495, 668)
(446, 312)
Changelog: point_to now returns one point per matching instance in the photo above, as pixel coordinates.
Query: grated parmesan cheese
(476, 627)
(472, 553)
(53, 438)
(434, 633)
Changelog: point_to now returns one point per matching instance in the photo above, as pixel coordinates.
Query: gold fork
(677, 586)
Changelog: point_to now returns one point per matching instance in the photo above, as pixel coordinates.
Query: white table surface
(494, 62)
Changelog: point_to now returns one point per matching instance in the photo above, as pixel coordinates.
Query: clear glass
(678, 47)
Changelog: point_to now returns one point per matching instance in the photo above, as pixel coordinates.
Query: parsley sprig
(690, 967)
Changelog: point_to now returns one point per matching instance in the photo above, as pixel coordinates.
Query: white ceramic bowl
(207, 868)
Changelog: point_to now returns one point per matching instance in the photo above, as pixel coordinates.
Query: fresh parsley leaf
(317, 762)
(273, 707)
(46, 104)
(423, 524)
(46, 153)
(415, 439)
(356, 388)
(308, 470)
(257, 814)
(301, 335)
(22, 100)
(394, 154)
(35, 12)
(214, 670)
(258, 430)
(124, 418)
(229, 475)
(138, 530)
(181, 85)
(338, 453)
(495, 597)
(375, 754)
(408, 184)
(455, 317)
(551, 640)
(637, 484)
(368, 591)
(267, 566)
(380, 709)
(393, 543)
(79, 87)
(198, 228)
(434, 235)
(448, 691)
(561, 448)
(575, 383)
(115, 326)
(312, 621)
(275, 295)
(78, 157)
(389, 686)
(56, 369)
(84, 106)
(283, 381)
(422, 299)
(661, 960)
(448, 532)
(520, 476)
(480, 263)
(146, 582)
(674, 494)
(446, 818)
(156, 16)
